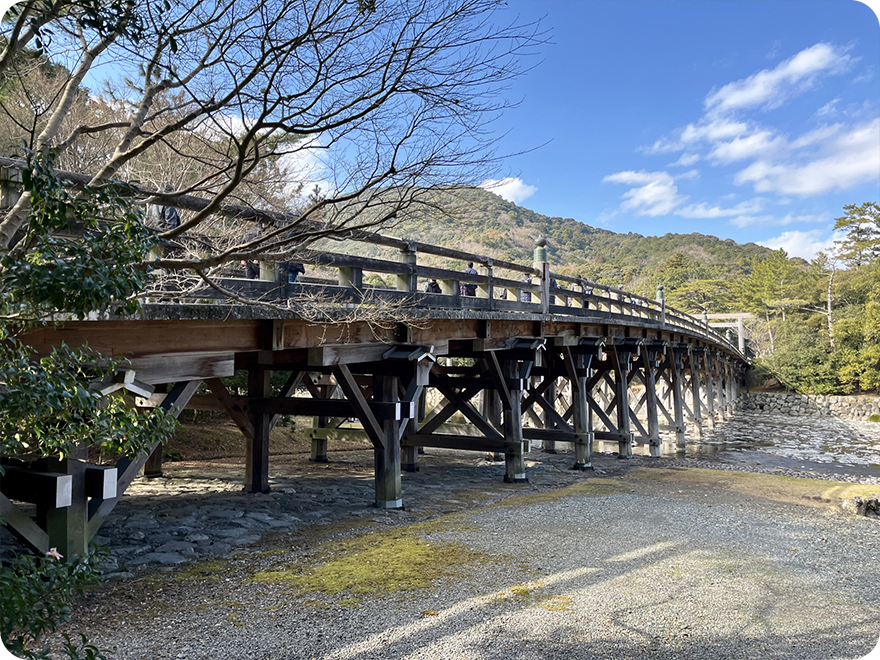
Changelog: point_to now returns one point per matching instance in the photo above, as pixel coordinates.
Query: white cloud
(851, 159)
(829, 109)
(685, 160)
(703, 211)
(655, 192)
(772, 87)
(768, 220)
(741, 148)
(804, 244)
(513, 189)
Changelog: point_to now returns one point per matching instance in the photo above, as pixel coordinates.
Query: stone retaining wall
(815, 405)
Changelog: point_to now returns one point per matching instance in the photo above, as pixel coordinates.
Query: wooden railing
(549, 294)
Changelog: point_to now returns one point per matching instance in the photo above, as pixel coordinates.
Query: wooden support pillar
(256, 471)
(696, 395)
(319, 445)
(677, 408)
(710, 390)
(514, 463)
(582, 419)
(721, 387)
(389, 492)
(68, 527)
(549, 446)
(153, 466)
(490, 409)
(731, 384)
(621, 382)
(651, 402)
(410, 457)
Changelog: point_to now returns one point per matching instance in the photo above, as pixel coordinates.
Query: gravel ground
(623, 562)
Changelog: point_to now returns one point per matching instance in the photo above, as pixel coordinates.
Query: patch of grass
(556, 603)
(874, 418)
(375, 563)
(208, 571)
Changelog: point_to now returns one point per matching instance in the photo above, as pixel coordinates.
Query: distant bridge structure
(557, 359)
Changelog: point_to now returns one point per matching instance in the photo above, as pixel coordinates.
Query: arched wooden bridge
(559, 359)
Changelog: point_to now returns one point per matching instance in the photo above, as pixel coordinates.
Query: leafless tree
(367, 104)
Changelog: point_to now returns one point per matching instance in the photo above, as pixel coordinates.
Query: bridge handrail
(584, 298)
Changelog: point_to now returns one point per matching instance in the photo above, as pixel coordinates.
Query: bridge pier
(514, 462)
(389, 492)
(256, 471)
(621, 366)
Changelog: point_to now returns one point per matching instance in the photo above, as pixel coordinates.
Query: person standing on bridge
(432, 286)
(525, 295)
(252, 266)
(469, 289)
(162, 218)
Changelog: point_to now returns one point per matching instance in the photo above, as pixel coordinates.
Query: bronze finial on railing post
(541, 265)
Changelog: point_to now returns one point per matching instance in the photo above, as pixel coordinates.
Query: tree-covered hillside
(479, 221)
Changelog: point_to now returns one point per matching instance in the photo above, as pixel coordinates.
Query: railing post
(408, 281)
(10, 187)
(705, 321)
(540, 264)
(661, 298)
(270, 271)
(486, 290)
(351, 277)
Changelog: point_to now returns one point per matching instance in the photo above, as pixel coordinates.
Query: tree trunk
(830, 309)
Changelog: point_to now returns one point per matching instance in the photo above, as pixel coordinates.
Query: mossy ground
(386, 561)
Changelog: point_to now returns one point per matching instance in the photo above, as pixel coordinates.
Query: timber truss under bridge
(558, 359)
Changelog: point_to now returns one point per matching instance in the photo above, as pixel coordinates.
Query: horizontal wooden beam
(465, 442)
(50, 489)
(101, 481)
(176, 367)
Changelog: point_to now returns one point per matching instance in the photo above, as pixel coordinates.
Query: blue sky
(756, 120)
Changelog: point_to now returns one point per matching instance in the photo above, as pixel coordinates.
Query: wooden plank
(465, 442)
(325, 356)
(176, 367)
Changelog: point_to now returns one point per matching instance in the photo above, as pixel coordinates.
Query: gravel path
(622, 562)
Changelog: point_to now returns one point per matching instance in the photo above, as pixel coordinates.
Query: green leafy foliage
(79, 255)
(36, 594)
(81, 251)
(861, 245)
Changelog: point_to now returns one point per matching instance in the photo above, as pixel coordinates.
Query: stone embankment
(814, 405)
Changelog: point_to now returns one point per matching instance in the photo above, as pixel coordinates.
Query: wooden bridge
(557, 359)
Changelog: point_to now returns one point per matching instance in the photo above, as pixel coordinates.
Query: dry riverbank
(624, 562)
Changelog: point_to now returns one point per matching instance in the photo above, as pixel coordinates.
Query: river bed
(824, 444)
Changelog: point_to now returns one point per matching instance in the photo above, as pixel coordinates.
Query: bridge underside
(493, 384)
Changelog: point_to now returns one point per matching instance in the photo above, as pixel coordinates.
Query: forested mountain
(480, 221)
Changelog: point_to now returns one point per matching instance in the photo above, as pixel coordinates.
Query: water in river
(824, 444)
